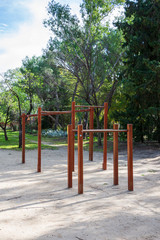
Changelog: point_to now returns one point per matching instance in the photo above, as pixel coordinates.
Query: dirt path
(38, 206)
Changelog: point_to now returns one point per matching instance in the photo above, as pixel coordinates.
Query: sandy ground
(38, 206)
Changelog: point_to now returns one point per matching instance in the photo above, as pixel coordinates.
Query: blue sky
(21, 29)
(12, 13)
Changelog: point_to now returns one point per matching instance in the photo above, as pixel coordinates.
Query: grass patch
(30, 141)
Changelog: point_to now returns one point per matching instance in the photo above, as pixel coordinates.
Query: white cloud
(31, 36)
(30, 39)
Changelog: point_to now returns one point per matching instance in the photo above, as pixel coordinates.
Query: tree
(141, 29)
(43, 79)
(8, 105)
(5, 112)
(21, 95)
(31, 80)
(87, 49)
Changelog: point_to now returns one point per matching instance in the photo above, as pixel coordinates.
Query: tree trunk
(111, 93)
(56, 122)
(85, 124)
(5, 134)
(13, 127)
(5, 131)
(97, 113)
(5, 124)
(30, 105)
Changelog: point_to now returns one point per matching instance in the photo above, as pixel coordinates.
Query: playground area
(40, 206)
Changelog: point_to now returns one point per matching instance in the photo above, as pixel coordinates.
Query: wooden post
(105, 136)
(91, 125)
(115, 154)
(23, 137)
(80, 159)
(69, 156)
(73, 126)
(130, 156)
(39, 140)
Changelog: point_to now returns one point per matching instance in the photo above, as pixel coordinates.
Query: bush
(54, 133)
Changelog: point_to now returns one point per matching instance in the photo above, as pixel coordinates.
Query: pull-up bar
(73, 111)
(45, 113)
(88, 106)
(102, 130)
(91, 126)
(115, 131)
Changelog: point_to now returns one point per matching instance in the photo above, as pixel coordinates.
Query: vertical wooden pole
(23, 137)
(69, 156)
(39, 140)
(73, 126)
(130, 156)
(105, 136)
(115, 154)
(91, 125)
(80, 159)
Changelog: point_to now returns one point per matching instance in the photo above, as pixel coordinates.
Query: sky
(22, 32)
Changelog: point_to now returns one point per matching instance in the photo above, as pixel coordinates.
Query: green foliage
(142, 77)
(87, 49)
(83, 48)
(5, 105)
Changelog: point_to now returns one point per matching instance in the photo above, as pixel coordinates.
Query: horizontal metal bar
(101, 130)
(74, 130)
(89, 106)
(104, 130)
(32, 115)
(82, 106)
(45, 113)
(82, 110)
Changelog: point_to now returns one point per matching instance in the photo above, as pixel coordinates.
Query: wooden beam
(39, 141)
(73, 126)
(91, 126)
(45, 113)
(130, 156)
(105, 136)
(104, 130)
(69, 156)
(23, 137)
(115, 154)
(80, 159)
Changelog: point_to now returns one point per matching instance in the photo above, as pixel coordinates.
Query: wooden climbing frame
(91, 131)
(115, 132)
(74, 110)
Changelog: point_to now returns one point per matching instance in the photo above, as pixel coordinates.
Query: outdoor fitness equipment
(115, 131)
(80, 131)
(72, 112)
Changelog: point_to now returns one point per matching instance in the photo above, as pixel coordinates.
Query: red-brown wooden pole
(69, 156)
(130, 156)
(23, 137)
(80, 159)
(105, 136)
(91, 125)
(115, 154)
(73, 126)
(39, 141)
